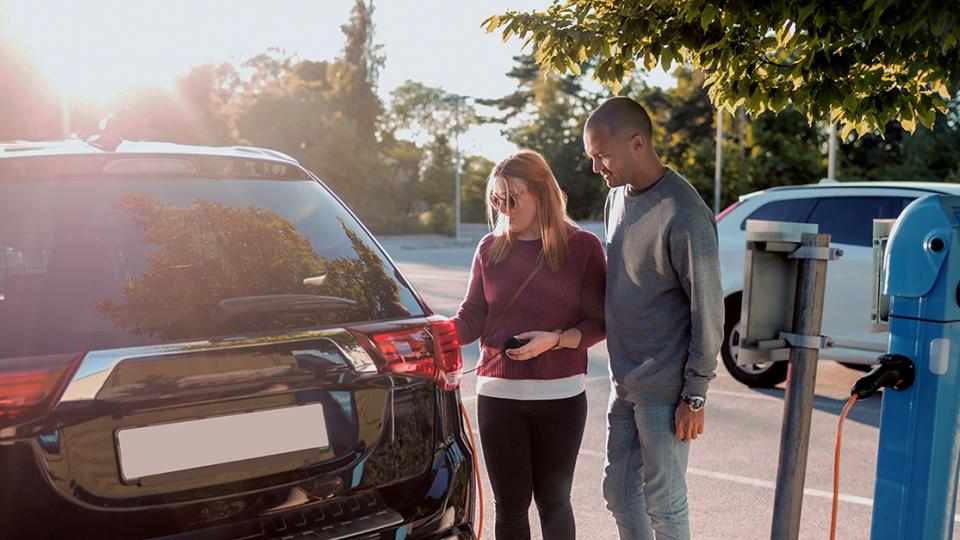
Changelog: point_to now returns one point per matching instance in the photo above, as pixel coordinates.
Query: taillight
(450, 360)
(31, 386)
(726, 211)
(427, 352)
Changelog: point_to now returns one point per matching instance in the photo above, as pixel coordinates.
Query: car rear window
(849, 220)
(790, 210)
(122, 261)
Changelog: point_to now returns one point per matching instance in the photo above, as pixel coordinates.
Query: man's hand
(539, 343)
(689, 424)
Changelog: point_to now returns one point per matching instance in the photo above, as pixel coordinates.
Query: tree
(197, 111)
(927, 154)
(326, 115)
(361, 63)
(783, 150)
(436, 187)
(30, 105)
(476, 171)
(419, 111)
(771, 150)
(546, 113)
(431, 116)
(402, 159)
(860, 64)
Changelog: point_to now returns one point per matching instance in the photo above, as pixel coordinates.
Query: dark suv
(206, 343)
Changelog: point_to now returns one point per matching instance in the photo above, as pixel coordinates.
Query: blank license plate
(166, 448)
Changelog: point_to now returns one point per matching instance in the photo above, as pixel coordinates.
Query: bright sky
(97, 49)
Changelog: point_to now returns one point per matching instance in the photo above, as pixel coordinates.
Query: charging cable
(473, 445)
(895, 371)
(482, 362)
(512, 343)
(476, 468)
(836, 469)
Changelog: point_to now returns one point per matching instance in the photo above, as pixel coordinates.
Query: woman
(539, 278)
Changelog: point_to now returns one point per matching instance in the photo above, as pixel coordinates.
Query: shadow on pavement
(863, 412)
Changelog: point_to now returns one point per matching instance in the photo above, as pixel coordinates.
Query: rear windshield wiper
(284, 303)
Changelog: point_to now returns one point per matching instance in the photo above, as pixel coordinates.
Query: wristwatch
(694, 403)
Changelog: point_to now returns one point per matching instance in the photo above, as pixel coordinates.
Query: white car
(845, 211)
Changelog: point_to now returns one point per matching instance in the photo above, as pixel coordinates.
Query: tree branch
(766, 60)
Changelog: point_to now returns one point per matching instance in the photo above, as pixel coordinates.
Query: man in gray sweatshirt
(664, 317)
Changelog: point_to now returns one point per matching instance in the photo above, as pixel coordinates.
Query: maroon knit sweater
(571, 297)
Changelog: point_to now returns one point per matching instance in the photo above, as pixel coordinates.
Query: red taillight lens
(450, 362)
(408, 352)
(29, 387)
(726, 211)
(428, 352)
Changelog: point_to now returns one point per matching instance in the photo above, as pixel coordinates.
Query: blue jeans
(643, 481)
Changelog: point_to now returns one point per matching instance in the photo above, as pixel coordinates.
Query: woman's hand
(539, 343)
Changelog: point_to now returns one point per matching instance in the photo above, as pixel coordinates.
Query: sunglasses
(499, 200)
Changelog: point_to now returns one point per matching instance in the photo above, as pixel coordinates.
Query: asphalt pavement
(732, 468)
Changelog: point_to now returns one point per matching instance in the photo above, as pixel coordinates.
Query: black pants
(530, 449)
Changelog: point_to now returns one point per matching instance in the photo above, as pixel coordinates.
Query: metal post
(798, 402)
(456, 198)
(742, 150)
(718, 163)
(832, 153)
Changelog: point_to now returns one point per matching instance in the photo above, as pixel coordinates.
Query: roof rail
(266, 152)
(26, 146)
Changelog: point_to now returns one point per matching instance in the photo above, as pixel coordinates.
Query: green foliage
(772, 150)
(326, 114)
(926, 155)
(858, 64)
(546, 113)
(419, 111)
(473, 186)
(437, 173)
(439, 218)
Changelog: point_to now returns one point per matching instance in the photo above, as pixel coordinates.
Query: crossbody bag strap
(516, 295)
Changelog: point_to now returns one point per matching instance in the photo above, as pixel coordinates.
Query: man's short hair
(622, 116)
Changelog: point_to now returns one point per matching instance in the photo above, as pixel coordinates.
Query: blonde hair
(532, 168)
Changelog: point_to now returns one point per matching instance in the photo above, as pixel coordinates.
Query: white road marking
(737, 479)
(756, 482)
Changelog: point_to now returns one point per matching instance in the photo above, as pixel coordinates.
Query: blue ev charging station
(919, 451)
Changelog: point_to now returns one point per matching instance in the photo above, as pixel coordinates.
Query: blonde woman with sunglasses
(539, 279)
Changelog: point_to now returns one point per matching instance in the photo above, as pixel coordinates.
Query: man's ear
(637, 142)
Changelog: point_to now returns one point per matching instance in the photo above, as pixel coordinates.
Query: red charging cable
(476, 468)
(836, 468)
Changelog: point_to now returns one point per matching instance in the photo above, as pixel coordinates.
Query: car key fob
(515, 343)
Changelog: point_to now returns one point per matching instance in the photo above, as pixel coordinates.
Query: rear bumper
(33, 510)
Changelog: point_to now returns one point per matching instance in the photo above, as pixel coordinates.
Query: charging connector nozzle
(895, 371)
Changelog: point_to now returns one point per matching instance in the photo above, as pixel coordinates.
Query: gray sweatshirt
(664, 302)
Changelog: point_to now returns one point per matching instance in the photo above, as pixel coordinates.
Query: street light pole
(456, 182)
(718, 163)
(832, 153)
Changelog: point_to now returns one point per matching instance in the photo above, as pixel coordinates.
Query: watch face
(695, 403)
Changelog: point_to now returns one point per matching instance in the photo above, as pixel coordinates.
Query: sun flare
(94, 54)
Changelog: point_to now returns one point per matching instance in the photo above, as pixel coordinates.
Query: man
(664, 316)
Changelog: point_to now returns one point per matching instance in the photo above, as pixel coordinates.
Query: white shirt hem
(532, 389)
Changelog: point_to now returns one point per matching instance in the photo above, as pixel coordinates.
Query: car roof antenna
(108, 139)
